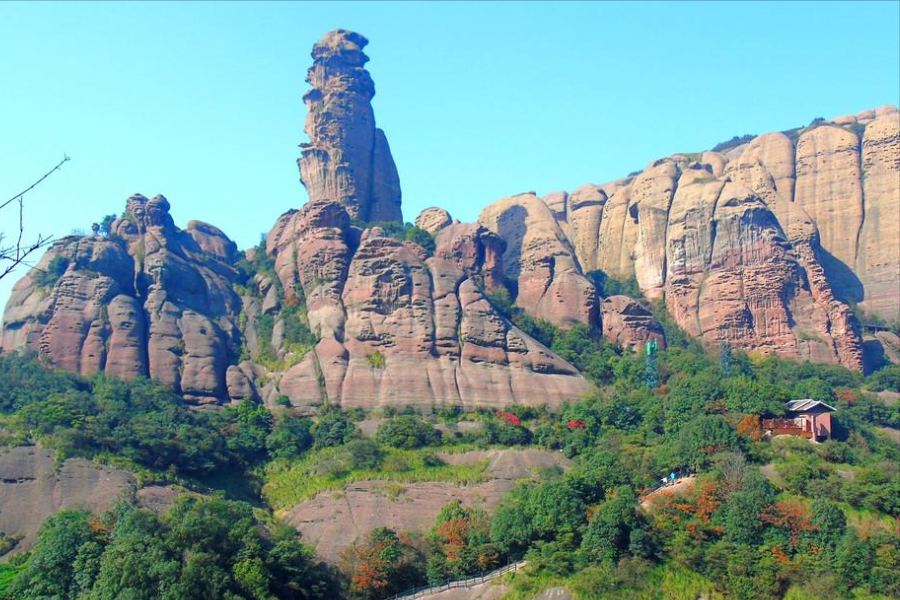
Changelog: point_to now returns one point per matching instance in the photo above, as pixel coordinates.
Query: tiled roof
(806, 404)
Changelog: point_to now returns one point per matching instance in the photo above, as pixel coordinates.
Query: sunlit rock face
(765, 245)
(150, 300)
(347, 158)
(398, 327)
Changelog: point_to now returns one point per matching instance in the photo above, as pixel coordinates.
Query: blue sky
(202, 102)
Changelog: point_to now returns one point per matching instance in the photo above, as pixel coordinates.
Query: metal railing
(457, 583)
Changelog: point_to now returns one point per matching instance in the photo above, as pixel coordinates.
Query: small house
(806, 418)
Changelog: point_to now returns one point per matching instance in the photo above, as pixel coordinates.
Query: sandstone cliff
(150, 300)
(766, 245)
(396, 326)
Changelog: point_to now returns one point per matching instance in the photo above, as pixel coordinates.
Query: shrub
(55, 269)
(365, 455)
(334, 429)
(376, 360)
(408, 431)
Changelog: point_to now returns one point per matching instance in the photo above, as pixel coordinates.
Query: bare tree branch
(16, 254)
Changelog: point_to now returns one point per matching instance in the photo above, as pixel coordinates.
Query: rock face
(764, 245)
(347, 158)
(149, 300)
(540, 257)
(334, 521)
(32, 489)
(398, 327)
(629, 324)
(878, 249)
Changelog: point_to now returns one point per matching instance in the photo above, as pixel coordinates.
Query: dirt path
(679, 488)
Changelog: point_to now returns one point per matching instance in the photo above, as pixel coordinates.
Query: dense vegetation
(766, 518)
(201, 549)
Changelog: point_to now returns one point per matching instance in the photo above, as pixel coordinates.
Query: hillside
(360, 405)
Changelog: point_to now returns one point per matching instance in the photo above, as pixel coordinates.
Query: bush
(408, 432)
(422, 238)
(334, 429)
(365, 455)
(55, 269)
(887, 378)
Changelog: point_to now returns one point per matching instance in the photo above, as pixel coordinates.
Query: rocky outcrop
(433, 219)
(32, 488)
(334, 521)
(765, 245)
(397, 327)
(627, 323)
(347, 158)
(149, 300)
(540, 258)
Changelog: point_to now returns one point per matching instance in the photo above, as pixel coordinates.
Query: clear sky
(202, 102)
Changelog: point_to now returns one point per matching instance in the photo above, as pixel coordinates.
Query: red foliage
(509, 418)
(791, 515)
(453, 535)
(848, 396)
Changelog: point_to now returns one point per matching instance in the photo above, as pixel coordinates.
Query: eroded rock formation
(540, 258)
(398, 327)
(149, 300)
(765, 245)
(347, 158)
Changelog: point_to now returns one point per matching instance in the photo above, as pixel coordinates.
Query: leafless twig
(16, 254)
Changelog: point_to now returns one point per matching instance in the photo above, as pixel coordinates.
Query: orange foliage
(453, 535)
(791, 515)
(750, 427)
(780, 555)
(848, 396)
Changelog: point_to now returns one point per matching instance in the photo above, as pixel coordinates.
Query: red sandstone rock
(551, 285)
(151, 301)
(629, 324)
(347, 159)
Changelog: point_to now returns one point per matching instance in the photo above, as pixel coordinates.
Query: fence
(458, 583)
(796, 427)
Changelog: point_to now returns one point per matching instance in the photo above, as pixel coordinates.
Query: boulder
(433, 219)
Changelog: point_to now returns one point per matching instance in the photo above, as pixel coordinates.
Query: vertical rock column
(347, 159)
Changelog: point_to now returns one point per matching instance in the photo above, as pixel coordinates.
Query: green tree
(290, 436)
(51, 571)
(334, 429)
(615, 529)
(741, 514)
(408, 431)
(702, 437)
